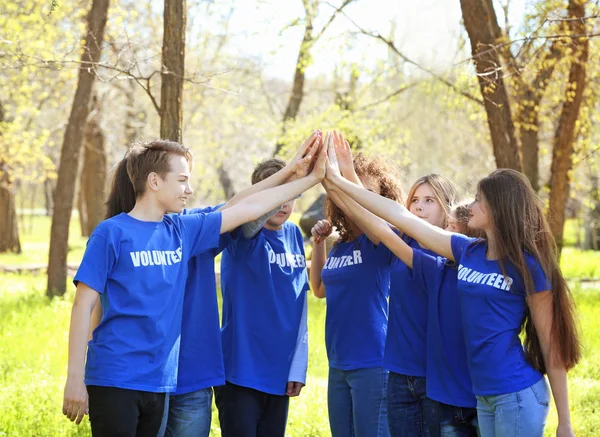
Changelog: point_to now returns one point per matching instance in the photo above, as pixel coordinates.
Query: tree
(9, 232)
(478, 16)
(564, 138)
(303, 61)
(93, 174)
(173, 70)
(72, 141)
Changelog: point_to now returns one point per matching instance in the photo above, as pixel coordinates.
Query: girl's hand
(305, 157)
(320, 167)
(343, 154)
(75, 401)
(333, 168)
(565, 430)
(321, 230)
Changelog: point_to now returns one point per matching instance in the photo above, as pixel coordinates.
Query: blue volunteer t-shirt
(448, 377)
(264, 284)
(405, 352)
(493, 308)
(356, 277)
(139, 268)
(201, 354)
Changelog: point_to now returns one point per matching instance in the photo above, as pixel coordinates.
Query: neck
(355, 231)
(492, 250)
(271, 227)
(147, 210)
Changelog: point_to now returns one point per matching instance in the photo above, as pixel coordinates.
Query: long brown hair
(444, 190)
(519, 225)
(131, 173)
(388, 186)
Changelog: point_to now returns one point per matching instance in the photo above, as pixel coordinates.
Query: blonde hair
(444, 190)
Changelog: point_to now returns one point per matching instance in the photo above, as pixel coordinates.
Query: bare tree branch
(406, 59)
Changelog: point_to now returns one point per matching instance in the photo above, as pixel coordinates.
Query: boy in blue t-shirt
(264, 332)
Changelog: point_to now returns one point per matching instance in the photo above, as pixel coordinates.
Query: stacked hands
(327, 158)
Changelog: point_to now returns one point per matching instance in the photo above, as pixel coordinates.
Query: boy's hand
(75, 401)
(293, 388)
(321, 230)
(305, 157)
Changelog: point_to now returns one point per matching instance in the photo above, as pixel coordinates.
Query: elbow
(319, 292)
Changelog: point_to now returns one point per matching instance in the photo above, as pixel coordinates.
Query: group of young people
(425, 303)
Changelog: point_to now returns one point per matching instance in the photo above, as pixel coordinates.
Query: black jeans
(245, 412)
(119, 412)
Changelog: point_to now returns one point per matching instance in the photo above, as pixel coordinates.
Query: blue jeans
(188, 415)
(409, 409)
(356, 402)
(519, 414)
(456, 421)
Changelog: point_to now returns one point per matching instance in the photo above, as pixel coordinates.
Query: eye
(414, 200)
(430, 200)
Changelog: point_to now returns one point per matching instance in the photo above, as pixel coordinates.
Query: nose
(188, 190)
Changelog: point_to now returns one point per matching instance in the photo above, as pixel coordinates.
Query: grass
(33, 358)
(33, 350)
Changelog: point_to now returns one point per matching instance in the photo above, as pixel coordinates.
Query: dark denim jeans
(245, 412)
(356, 402)
(454, 422)
(409, 409)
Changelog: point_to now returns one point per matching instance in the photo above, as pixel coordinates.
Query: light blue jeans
(519, 414)
(356, 402)
(189, 415)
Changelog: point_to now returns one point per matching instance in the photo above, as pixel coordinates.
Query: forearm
(78, 338)
(317, 262)
(557, 376)
(258, 204)
(434, 238)
(276, 179)
(367, 222)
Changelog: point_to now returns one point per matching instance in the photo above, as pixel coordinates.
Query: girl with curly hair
(355, 279)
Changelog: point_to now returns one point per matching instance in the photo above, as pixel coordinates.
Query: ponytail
(122, 196)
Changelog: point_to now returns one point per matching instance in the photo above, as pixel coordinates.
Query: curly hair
(388, 186)
(460, 213)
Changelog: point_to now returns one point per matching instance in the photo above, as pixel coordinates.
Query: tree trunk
(9, 229)
(173, 59)
(226, 182)
(92, 181)
(293, 106)
(591, 239)
(478, 16)
(69, 156)
(9, 226)
(564, 138)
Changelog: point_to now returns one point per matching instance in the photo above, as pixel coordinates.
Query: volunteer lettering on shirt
(492, 279)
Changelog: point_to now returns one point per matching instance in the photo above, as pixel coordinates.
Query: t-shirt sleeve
(98, 261)
(459, 244)
(540, 281)
(426, 269)
(201, 232)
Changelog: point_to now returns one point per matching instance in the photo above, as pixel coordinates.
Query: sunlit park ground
(33, 349)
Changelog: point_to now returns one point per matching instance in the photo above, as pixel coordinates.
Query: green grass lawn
(33, 350)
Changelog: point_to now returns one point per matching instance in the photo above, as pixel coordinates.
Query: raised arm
(254, 206)
(342, 158)
(540, 305)
(379, 229)
(297, 168)
(75, 401)
(320, 231)
(430, 236)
